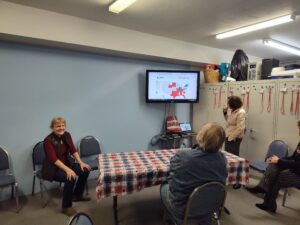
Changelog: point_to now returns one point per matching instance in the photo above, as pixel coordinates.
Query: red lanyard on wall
(243, 99)
(297, 103)
(292, 103)
(220, 96)
(231, 91)
(215, 92)
(282, 106)
(269, 100)
(243, 95)
(262, 100)
(248, 100)
(282, 110)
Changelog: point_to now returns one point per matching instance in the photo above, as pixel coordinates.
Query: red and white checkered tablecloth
(127, 172)
(238, 169)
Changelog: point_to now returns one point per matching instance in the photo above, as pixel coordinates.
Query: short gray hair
(211, 137)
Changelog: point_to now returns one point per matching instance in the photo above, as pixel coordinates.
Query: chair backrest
(205, 200)
(278, 148)
(4, 159)
(88, 146)
(38, 154)
(80, 219)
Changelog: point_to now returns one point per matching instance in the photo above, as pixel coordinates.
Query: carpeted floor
(144, 208)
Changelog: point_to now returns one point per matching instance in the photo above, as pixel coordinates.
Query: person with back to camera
(280, 173)
(192, 168)
(236, 123)
(58, 165)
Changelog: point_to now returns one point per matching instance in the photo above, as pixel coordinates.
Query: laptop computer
(186, 128)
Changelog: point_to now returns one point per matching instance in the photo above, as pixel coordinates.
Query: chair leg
(12, 191)
(42, 193)
(17, 197)
(87, 188)
(284, 197)
(216, 216)
(33, 185)
(164, 217)
(167, 220)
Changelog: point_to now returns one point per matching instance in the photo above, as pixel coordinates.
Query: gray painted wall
(98, 95)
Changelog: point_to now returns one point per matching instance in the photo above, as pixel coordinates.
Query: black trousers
(273, 180)
(69, 190)
(233, 146)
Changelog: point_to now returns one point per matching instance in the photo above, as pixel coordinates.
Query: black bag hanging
(239, 65)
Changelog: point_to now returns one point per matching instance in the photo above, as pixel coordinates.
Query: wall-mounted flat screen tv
(172, 86)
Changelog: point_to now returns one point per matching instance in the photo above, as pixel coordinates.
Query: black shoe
(265, 207)
(81, 199)
(236, 186)
(69, 211)
(256, 190)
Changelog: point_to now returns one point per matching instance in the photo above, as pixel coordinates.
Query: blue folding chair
(278, 148)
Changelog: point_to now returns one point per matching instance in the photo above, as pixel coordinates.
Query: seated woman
(192, 168)
(58, 165)
(280, 173)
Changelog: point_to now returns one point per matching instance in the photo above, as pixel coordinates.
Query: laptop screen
(185, 127)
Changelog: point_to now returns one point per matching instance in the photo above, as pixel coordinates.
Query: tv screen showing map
(172, 86)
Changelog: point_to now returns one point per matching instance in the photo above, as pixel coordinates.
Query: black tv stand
(174, 140)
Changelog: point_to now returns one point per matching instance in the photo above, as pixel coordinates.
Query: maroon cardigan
(54, 151)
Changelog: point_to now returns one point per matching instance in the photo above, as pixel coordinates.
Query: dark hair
(234, 102)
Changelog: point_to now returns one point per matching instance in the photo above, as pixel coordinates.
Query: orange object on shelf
(211, 76)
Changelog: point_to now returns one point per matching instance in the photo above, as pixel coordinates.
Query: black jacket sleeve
(292, 162)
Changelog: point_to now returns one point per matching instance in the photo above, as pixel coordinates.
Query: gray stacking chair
(6, 176)
(285, 194)
(89, 149)
(38, 156)
(80, 219)
(206, 200)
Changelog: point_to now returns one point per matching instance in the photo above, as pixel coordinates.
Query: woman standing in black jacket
(281, 173)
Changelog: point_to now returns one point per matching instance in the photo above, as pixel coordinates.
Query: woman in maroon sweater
(59, 166)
